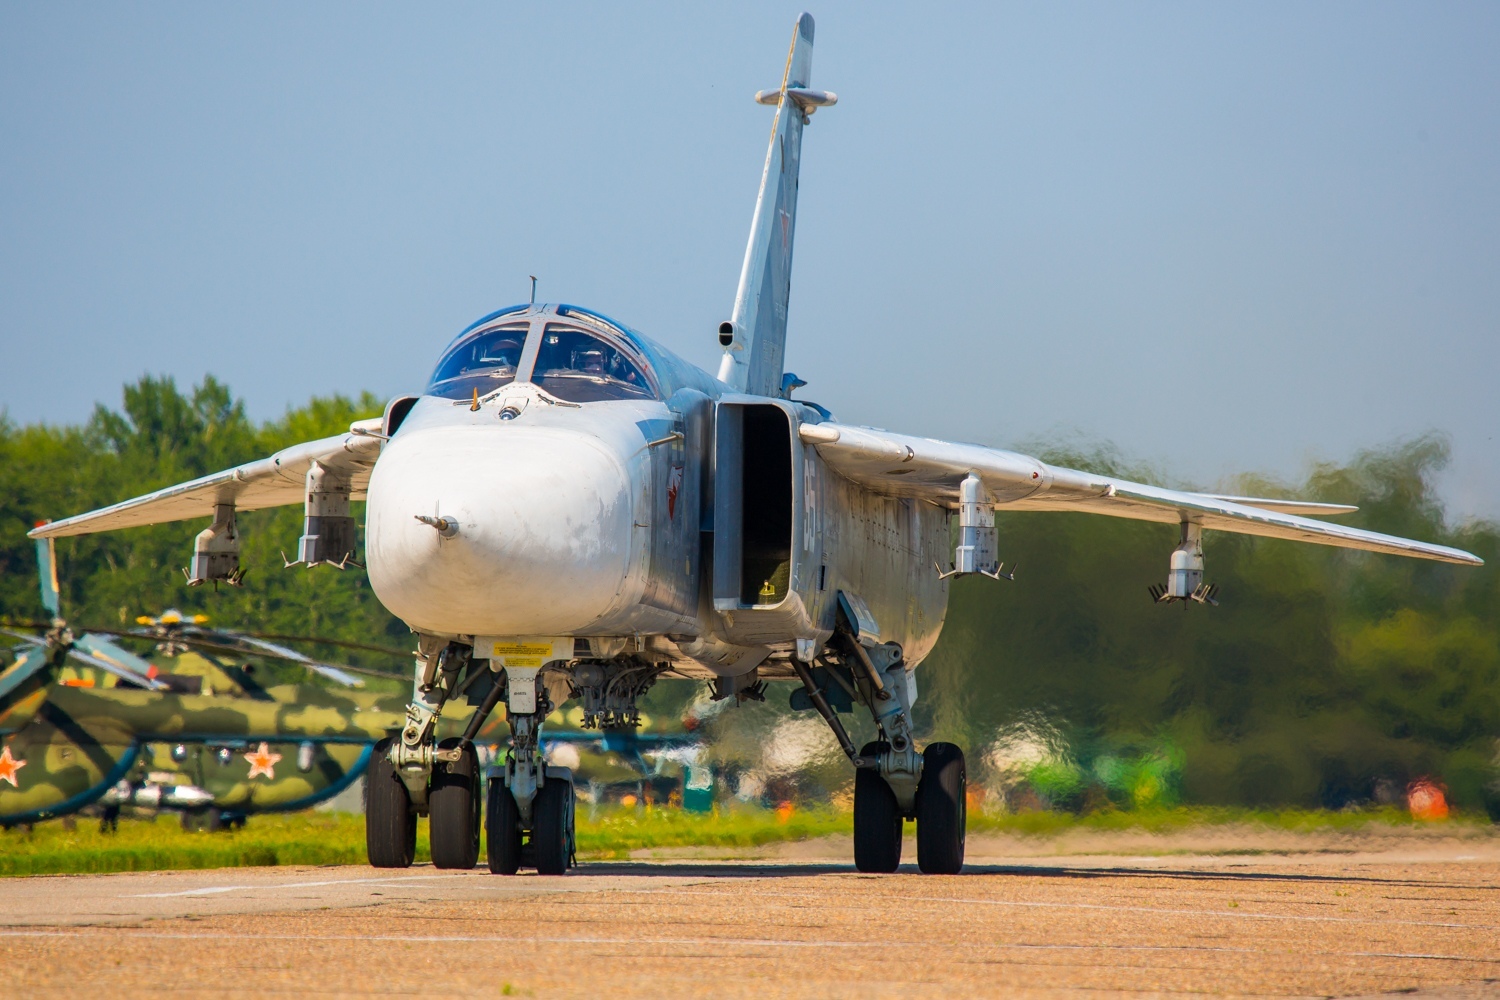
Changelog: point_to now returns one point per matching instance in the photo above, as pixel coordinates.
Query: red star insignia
(263, 761)
(9, 766)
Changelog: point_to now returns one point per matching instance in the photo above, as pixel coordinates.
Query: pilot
(590, 361)
(499, 357)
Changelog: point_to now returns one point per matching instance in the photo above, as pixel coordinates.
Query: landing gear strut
(531, 805)
(892, 781)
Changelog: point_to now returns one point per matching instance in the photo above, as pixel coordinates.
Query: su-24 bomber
(576, 511)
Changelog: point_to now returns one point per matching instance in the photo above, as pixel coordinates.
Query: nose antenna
(533, 289)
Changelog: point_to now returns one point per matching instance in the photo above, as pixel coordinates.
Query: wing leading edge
(268, 482)
(924, 468)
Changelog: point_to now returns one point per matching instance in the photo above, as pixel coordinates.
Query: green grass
(143, 845)
(614, 833)
(339, 839)
(1185, 818)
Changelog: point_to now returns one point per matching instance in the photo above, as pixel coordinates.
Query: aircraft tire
(453, 810)
(209, 820)
(502, 829)
(390, 822)
(877, 818)
(552, 827)
(942, 812)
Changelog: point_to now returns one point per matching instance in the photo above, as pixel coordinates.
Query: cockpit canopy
(574, 362)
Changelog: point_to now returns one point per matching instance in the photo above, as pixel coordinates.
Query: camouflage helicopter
(101, 727)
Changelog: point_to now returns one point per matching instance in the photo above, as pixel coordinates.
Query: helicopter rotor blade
(129, 676)
(232, 643)
(101, 647)
(324, 640)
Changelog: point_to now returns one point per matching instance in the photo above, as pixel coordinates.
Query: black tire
(942, 810)
(502, 829)
(453, 810)
(877, 818)
(552, 827)
(390, 821)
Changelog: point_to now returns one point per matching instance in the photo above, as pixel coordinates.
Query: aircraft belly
(884, 549)
(545, 534)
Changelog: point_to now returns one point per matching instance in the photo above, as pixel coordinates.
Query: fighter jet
(581, 511)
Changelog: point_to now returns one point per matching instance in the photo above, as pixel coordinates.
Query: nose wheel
(548, 844)
(503, 829)
(552, 827)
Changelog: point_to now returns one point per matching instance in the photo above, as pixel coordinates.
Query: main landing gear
(529, 807)
(892, 782)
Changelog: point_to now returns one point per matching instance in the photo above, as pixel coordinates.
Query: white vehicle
(571, 511)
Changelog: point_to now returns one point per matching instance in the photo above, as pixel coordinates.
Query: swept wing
(924, 468)
(268, 482)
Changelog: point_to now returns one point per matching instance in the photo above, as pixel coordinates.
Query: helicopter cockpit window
(583, 368)
(484, 361)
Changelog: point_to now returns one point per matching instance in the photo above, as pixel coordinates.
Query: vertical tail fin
(755, 337)
(46, 564)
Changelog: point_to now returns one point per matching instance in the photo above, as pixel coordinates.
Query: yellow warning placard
(526, 652)
(522, 654)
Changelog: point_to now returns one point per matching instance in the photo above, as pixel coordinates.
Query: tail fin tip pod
(754, 339)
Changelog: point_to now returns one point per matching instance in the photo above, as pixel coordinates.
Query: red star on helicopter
(9, 766)
(263, 761)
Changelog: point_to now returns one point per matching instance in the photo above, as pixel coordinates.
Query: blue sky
(1223, 238)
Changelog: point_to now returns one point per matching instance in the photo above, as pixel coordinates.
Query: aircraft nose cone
(542, 539)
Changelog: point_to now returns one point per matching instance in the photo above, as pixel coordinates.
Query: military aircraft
(99, 726)
(580, 511)
(66, 743)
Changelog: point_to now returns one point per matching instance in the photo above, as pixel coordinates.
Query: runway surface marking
(213, 889)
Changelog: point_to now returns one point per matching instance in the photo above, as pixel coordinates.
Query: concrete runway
(1422, 923)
